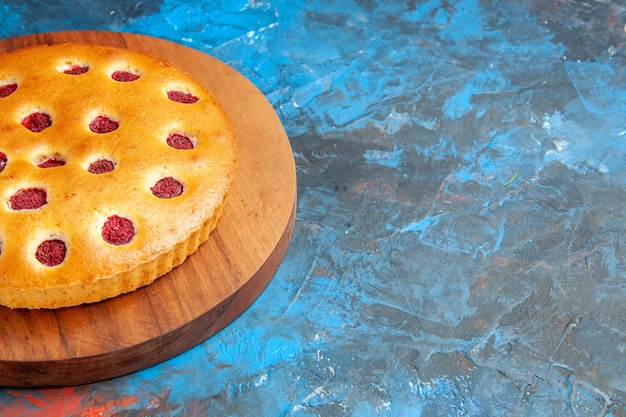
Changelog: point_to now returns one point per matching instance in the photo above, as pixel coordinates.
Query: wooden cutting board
(211, 288)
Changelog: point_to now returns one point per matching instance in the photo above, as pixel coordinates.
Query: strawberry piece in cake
(37, 121)
(118, 230)
(28, 199)
(51, 252)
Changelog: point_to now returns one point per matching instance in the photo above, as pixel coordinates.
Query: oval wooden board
(211, 288)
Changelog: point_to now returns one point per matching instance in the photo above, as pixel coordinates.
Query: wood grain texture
(211, 288)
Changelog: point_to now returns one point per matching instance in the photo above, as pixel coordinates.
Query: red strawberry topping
(180, 97)
(124, 76)
(101, 166)
(7, 89)
(51, 163)
(28, 199)
(102, 124)
(167, 187)
(3, 161)
(37, 121)
(51, 252)
(178, 141)
(76, 70)
(118, 230)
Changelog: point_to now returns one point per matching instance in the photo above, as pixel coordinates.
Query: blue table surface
(459, 242)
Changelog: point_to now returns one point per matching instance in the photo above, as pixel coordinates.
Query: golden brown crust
(78, 202)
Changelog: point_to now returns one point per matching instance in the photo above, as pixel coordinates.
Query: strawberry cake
(114, 168)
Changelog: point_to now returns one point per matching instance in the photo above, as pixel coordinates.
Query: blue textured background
(459, 243)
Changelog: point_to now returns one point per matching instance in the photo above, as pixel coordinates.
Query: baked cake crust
(114, 167)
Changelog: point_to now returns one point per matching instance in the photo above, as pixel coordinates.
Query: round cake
(114, 167)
